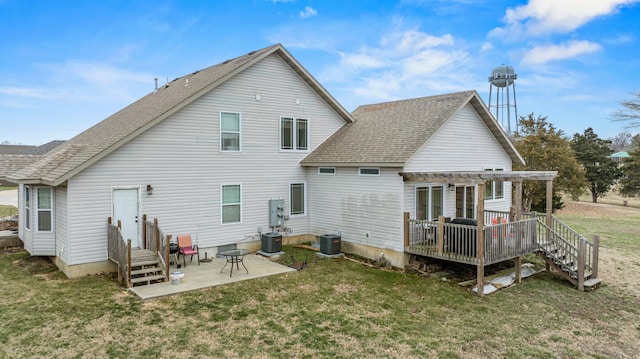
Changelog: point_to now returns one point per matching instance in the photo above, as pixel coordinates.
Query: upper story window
(44, 209)
(294, 134)
(231, 203)
(369, 171)
(494, 189)
(229, 131)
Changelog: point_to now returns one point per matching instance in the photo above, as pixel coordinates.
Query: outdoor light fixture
(451, 186)
(149, 190)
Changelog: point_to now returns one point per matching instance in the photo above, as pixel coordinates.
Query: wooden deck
(462, 244)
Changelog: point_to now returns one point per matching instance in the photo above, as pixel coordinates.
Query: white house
(205, 153)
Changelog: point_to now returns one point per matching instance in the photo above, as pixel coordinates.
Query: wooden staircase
(146, 268)
(571, 255)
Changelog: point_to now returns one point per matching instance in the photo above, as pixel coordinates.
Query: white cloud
(405, 63)
(486, 46)
(543, 54)
(554, 16)
(308, 12)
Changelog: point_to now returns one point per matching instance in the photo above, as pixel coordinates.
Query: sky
(67, 65)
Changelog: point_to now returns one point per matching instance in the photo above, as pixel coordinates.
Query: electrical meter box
(276, 212)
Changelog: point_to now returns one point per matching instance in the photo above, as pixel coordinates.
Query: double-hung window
(44, 209)
(229, 131)
(294, 134)
(297, 196)
(494, 189)
(429, 202)
(231, 203)
(27, 207)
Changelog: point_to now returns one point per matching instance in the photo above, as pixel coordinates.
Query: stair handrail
(119, 251)
(582, 253)
(157, 242)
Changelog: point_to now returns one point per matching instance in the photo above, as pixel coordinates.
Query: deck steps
(146, 269)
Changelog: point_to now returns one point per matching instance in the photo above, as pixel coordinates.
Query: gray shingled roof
(388, 134)
(13, 163)
(103, 138)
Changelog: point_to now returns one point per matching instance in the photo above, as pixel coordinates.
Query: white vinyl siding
(229, 131)
(366, 210)
(231, 203)
(180, 158)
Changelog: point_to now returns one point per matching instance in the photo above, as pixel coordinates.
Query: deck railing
(156, 242)
(460, 243)
(119, 251)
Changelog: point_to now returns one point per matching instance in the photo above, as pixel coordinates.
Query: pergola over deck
(477, 250)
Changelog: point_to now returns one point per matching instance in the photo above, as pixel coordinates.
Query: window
(296, 199)
(27, 207)
(294, 134)
(231, 204)
(326, 170)
(465, 201)
(369, 171)
(429, 202)
(229, 131)
(44, 209)
(494, 189)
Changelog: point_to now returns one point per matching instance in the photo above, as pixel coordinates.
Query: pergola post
(518, 201)
(480, 221)
(549, 208)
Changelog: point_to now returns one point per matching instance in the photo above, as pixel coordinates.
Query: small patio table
(235, 256)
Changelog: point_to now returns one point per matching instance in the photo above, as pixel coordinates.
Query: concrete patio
(207, 275)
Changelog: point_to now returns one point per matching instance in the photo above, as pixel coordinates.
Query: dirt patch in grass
(599, 210)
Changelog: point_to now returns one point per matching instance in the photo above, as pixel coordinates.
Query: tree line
(584, 162)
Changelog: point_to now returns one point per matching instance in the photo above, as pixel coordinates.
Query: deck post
(480, 236)
(594, 263)
(129, 285)
(156, 231)
(582, 249)
(406, 229)
(166, 255)
(440, 239)
(549, 205)
(518, 270)
(518, 202)
(144, 230)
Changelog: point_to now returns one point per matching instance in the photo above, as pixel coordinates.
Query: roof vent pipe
(156, 81)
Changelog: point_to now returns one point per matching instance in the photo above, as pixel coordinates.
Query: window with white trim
(494, 189)
(229, 131)
(369, 171)
(429, 202)
(27, 207)
(294, 134)
(231, 203)
(44, 209)
(297, 195)
(465, 201)
(326, 170)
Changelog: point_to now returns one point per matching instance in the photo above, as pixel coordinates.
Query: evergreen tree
(630, 181)
(544, 148)
(593, 153)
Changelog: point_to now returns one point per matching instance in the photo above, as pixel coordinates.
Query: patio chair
(186, 248)
(298, 265)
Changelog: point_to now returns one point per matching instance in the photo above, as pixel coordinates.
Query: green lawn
(6, 211)
(334, 309)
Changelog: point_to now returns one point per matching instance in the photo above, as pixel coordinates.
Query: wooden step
(145, 271)
(147, 279)
(144, 263)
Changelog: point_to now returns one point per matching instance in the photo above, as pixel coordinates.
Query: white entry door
(126, 209)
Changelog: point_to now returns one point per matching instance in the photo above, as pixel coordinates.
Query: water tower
(503, 79)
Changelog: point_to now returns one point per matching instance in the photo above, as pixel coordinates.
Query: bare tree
(630, 111)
